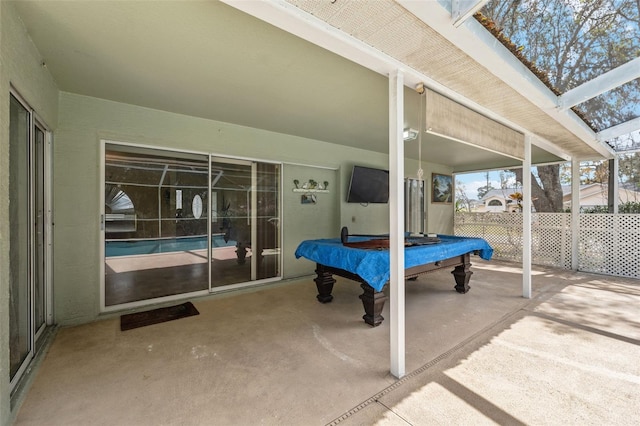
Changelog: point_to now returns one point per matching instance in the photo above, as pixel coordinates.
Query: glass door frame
(34, 121)
(254, 220)
(211, 290)
(102, 227)
(47, 218)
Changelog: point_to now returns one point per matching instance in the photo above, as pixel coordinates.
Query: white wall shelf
(322, 191)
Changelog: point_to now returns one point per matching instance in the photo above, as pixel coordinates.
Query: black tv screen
(368, 185)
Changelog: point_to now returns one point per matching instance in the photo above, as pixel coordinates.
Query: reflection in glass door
(231, 192)
(267, 220)
(155, 226)
(245, 222)
(20, 341)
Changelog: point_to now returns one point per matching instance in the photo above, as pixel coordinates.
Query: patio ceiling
(592, 95)
(409, 38)
(290, 74)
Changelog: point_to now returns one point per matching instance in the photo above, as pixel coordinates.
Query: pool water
(162, 245)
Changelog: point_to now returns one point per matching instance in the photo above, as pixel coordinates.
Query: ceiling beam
(473, 39)
(603, 83)
(619, 130)
(293, 20)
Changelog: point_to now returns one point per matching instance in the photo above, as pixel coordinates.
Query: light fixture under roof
(409, 134)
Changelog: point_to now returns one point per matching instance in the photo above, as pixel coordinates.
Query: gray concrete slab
(276, 356)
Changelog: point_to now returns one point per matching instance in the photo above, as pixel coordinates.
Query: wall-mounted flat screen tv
(368, 185)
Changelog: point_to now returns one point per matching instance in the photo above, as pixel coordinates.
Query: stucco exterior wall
(20, 67)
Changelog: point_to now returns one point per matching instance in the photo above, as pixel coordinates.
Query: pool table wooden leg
(324, 283)
(373, 302)
(462, 275)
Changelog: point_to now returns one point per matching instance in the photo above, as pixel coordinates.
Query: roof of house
(500, 193)
(585, 191)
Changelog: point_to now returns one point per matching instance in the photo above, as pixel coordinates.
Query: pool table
(370, 267)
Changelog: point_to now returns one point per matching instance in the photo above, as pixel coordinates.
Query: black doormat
(155, 316)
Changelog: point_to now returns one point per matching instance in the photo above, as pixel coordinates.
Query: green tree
(566, 44)
(482, 191)
(629, 170)
(546, 189)
(462, 200)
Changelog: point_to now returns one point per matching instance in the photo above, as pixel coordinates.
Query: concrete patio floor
(276, 356)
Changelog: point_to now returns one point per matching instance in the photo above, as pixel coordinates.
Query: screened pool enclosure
(177, 222)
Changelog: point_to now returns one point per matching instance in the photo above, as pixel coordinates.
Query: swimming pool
(163, 245)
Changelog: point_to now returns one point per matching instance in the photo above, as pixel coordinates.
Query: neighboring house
(594, 194)
(498, 200)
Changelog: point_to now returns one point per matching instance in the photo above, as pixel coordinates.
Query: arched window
(119, 210)
(495, 203)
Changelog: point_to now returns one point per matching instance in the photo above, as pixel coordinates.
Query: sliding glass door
(28, 238)
(154, 226)
(245, 221)
(39, 229)
(20, 293)
(180, 223)
(267, 220)
(231, 192)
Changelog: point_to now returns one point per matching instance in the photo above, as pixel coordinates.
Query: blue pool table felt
(372, 265)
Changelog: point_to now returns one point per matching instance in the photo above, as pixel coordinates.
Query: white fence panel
(503, 231)
(610, 244)
(607, 244)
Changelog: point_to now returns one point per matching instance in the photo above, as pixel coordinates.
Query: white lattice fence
(551, 239)
(607, 244)
(550, 233)
(503, 231)
(610, 244)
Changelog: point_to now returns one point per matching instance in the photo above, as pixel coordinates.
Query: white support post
(396, 223)
(575, 212)
(526, 219)
(614, 184)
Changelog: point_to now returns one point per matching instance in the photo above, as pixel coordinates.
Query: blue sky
(473, 181)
